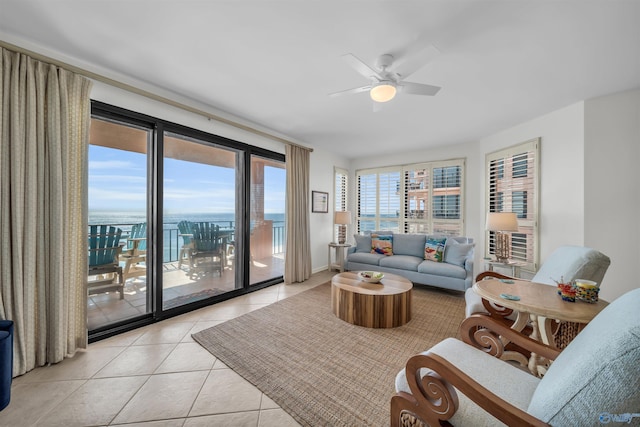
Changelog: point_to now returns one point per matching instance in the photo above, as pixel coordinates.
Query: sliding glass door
(179, 219)
(200, 220)
(267, 228)
(117, 284)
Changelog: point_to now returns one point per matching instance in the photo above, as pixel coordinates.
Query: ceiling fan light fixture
(383, 92)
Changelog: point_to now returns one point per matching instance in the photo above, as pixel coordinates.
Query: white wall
(561, 168)
(612, 182)
(589, 187)
(561, 173)
(140, 104)
(321, 224)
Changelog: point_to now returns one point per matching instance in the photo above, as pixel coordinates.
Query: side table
(513, 265)
(538, 303)
(338, 249)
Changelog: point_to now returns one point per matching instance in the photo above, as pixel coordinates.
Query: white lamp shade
(342, 217)
(502, 221)
(383, 92)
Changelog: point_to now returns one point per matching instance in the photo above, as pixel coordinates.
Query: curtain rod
(147, 94)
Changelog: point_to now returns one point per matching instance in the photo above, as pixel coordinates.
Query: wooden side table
(537, 300)
(338, 250)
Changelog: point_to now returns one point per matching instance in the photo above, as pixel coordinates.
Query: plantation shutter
(389, 201)
(418, 198)
(512, 186)
(367, 202)
(447, 202)
(416, 201)
(340, 182)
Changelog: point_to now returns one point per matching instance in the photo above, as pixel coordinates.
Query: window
(426, 200)
(341, 181)
(378, 200)
(512, 186)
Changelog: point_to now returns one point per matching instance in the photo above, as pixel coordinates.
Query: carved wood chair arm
(486, 274)
(483, 332)
(434, 400)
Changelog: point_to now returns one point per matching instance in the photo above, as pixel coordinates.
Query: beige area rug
(321, 370)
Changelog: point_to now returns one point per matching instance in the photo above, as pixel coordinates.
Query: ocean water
(125, 219)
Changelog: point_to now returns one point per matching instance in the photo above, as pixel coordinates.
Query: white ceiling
(274, 62)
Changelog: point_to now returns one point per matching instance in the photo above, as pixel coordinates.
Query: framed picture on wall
(319, 201)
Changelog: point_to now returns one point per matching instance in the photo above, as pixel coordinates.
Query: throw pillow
(457, 253)
(363, 242)
(434, 248)
(382, 244)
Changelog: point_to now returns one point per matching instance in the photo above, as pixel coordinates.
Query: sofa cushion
(457, 253)
(363, 242)
(434, 248)
(365, 258)
(442, 269)
(598, 372)
(382, 244)
(403, 262)
(409, 244)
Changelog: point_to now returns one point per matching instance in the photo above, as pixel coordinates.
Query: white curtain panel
(297, 261)
(44, 131)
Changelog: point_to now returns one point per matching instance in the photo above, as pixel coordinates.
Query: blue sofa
(455, 272)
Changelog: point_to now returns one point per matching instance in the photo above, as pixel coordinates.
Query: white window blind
(512, 186)
(341, 181)
(433, 201)
(419, 198)
(378, 200)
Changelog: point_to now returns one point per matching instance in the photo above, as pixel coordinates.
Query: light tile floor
(153, 376)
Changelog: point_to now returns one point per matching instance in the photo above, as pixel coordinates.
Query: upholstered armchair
(596, 378)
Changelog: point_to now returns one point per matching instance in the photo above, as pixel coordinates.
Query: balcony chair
(135, 252)
(567, 263)
(207, 252)
(104, 251)
(185, 231)
(593, 381)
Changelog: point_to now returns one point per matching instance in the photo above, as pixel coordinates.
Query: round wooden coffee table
(374, 305)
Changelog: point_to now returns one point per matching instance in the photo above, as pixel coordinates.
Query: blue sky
(117, 182)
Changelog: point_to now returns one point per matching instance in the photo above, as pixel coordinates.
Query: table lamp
(342, 218)
(502, 223)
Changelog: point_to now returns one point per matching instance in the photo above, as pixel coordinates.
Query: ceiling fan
(389, 77)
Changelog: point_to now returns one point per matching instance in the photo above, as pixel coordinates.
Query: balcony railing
(173, 240)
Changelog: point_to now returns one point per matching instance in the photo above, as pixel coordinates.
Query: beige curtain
(44, 132)
(297, 263)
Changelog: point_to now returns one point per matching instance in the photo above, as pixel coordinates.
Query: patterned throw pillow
(382, 244)
(434, 248)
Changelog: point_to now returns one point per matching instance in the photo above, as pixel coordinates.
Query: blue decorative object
(510, 297)
(6, 361)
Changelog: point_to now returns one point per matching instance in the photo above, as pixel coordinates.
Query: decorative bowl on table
(370, 276)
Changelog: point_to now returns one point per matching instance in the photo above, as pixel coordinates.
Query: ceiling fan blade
(413, 61)
(350, 91)
(360, 66)
(419, 88)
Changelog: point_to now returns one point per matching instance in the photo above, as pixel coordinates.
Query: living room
(588, 194)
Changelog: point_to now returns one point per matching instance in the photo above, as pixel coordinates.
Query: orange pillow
(382, 244)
